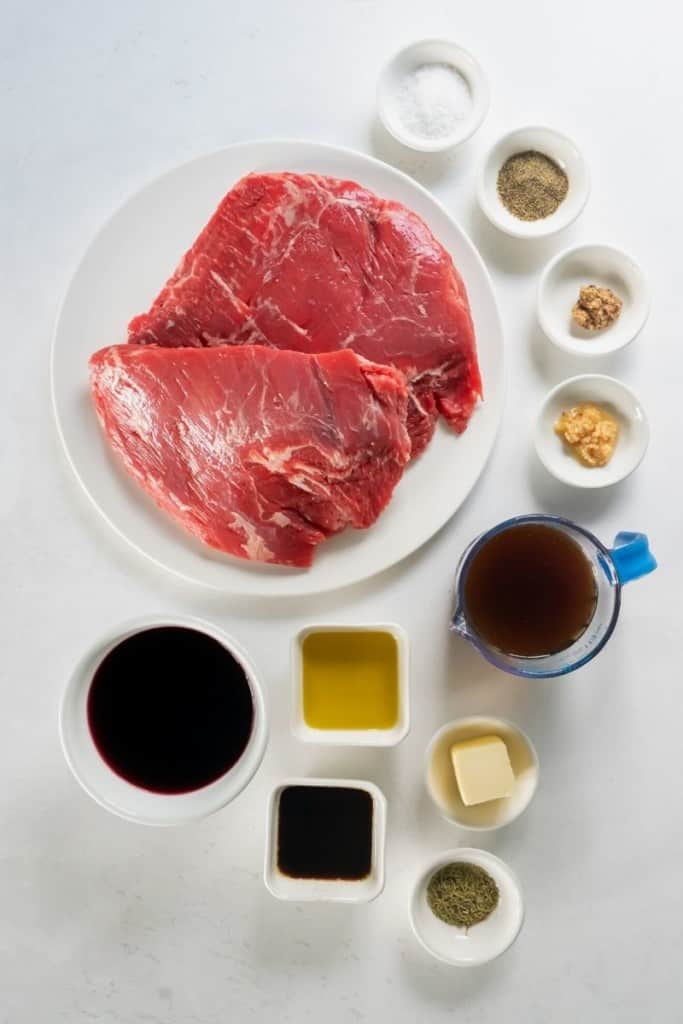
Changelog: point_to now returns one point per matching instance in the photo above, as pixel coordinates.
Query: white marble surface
(102, 920)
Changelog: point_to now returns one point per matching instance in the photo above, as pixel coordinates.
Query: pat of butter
(482, 769)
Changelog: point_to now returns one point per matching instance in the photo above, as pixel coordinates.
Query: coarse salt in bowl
(432, 96)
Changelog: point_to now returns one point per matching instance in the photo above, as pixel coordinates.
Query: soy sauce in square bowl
(170, 709)
(325, 832)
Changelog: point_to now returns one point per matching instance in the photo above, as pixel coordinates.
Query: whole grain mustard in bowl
(593, 300)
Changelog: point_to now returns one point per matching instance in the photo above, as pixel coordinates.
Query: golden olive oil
(350, 680)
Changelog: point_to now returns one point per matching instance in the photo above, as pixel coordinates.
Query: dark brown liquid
(530, 591)
(325, 832)
(170, 709)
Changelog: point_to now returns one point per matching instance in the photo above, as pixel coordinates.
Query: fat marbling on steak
(260, 453)
(315, 264)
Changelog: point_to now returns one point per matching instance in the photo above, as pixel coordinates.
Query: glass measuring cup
(629, 559)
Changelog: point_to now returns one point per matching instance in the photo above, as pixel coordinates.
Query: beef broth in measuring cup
(540, 596)
(530, 591)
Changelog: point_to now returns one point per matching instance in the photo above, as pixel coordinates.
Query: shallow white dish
(482, 942)
(352, 737)
(443, 788)
(123, 798)
(431, 51)
(634, 432)
(559, 148)
(285, 887)
(559, 287)
(123, 270)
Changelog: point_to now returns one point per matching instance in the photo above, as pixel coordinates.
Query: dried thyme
(462, 894)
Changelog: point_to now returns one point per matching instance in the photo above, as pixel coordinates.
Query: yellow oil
(350, 680)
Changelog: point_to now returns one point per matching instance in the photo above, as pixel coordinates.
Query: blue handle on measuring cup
(632, 556)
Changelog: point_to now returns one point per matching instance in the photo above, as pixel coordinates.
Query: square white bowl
(352, 737)
(363, 890)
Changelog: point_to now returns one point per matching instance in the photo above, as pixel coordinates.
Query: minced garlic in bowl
(590, 432)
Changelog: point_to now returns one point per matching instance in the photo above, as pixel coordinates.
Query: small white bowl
(431, 51)
(482, 942)
(114, 793)
(559, 148)
(284, 887)
(443, 787)
(559, 287)
(351, 737)
(618, 399)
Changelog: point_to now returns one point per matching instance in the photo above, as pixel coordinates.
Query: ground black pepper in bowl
(531, 186)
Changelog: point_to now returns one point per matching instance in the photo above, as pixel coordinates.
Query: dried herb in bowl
(462, 894)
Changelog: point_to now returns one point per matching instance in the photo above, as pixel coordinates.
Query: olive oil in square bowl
(350, 685)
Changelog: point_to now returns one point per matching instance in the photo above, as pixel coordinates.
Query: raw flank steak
(260, 453)
(315, 264)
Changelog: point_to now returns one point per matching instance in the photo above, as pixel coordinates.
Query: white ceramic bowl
(115, 793)
(351, 737)
(559, 148)
(431, 51)
(559, 287)
(335, 890)
(482, 942)
(633, 439)
(443, 787)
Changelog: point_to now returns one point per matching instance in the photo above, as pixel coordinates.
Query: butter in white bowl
(482, 769)
(482, 776)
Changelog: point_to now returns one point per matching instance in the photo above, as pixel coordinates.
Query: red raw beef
(260, 453)
(314, 264)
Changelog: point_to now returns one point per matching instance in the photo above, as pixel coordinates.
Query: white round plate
(123, 270)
